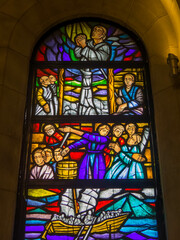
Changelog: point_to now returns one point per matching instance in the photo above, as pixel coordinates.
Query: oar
(79, 233)
(89, 230)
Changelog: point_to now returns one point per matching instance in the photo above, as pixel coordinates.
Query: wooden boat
(110, 225)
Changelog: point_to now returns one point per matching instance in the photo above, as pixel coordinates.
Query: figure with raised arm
(93, 163)
(52, 137)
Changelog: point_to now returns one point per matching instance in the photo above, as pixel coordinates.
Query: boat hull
(111, 225)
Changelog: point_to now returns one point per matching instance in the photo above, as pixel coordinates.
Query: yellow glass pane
(101, 98)
(37, 138)
(102, 87)
(74, 136)
(149, 173)
(71, 99)
(68, 88)
(33, 146)
(40, 193)
(77, 90)
(86, 124)
(148, 155)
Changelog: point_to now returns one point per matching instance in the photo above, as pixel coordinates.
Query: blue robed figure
(93, 162)
(130, 100)
(127, 163)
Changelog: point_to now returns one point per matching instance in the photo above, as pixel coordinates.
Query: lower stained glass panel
(91, 213)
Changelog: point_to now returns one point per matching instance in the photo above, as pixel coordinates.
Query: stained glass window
(89, 161)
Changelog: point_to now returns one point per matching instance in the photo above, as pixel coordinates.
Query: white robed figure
(41, 170)
(86, 104)
(45, 105)
(91, 50)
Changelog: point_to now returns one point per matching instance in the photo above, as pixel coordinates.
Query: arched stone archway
(23, 23)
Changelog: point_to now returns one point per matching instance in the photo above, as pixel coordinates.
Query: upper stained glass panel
(96, 91)
(88, 41)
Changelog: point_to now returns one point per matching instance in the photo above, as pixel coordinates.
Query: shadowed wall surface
(23, 22)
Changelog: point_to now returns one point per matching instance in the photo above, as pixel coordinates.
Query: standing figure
(44, 98)
(52, 137)
(48, 155)
(57, 157)
(127, 163)
(130, 100)
(53, 86)
(131, 129)
(40, 170)
(116, 138)
(92, 50)
(93, 163)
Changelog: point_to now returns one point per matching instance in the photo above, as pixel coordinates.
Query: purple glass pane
(132, 45)
(79, 78)
(97, 78)
(73, 94)
(55, 237)
(138, 59)
(34, 228)
(108, 236)
(50, 55)
(120, 58)
(120, 51)
(110, 31)
(136, 236)
(124, 40)
(50, 42)
(61, 49)
(32, 235)
(66, 57)
(101, 92)
(59, 58)
(57, 37)
(117, 70)
(55, 48)
(130, 52)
